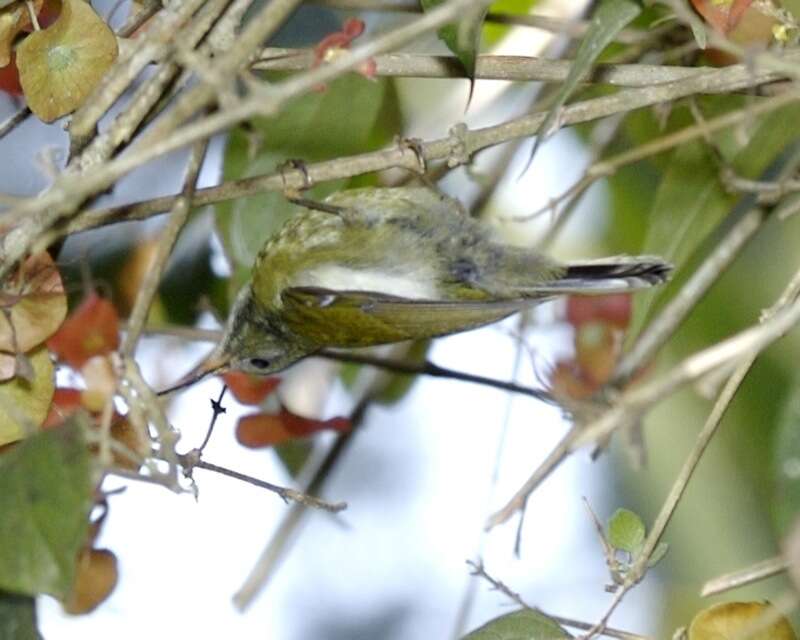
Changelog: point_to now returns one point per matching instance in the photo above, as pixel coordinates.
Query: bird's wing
(364, 318)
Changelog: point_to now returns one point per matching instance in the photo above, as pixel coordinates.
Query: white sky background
(418, 477)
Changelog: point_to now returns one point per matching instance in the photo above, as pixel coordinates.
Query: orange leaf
(265, 430)
(261, 430)
(92, 329)
(60, 66)
(34, 305)
(299, 426)
(95, 579)
(249, 389)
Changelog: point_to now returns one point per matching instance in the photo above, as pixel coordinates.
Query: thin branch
(269, 559)
(192, 460)
(38, 214)
(169, 235)
(154, 47)
(632, 404)
(657, 332)
(146, 96)
(479, 570)
(488, 67)
(754, 573)
(428, 368)
(13, 121)
(216, 411)
(401, 156)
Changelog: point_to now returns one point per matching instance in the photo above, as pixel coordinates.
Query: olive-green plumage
(384, 265)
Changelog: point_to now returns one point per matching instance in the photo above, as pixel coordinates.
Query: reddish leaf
(95, 579)
(92, 329)
(47, 15)
(335, 44)
(65, 402)
(265, 430)
(614, 309)
(249, 389)
(723, 16)
(33, 305)
(9, 78)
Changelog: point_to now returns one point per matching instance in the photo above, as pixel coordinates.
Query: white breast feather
(417, 285)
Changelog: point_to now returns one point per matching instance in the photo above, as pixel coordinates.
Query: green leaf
(463, 38)
(17, 617)
(691, 203)
(525, 624)
(786, 504)
(493, 33)
(293, 454)
(353, 115)
(625, 531)
(45, 498)
(610, 17)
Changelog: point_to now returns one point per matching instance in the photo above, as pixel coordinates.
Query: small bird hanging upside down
(379, 265)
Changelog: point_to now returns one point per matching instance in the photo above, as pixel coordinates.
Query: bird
(379, 265)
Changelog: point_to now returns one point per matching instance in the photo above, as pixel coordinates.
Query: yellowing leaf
(14, 17)
(33, 305)
(61, 65)
(24, 404)
(730, 620)
(95, 579)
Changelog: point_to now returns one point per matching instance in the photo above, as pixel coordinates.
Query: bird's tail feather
(618, 274)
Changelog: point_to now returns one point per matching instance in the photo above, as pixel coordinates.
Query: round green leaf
(61, 65)
(525, 624)
(626, 531)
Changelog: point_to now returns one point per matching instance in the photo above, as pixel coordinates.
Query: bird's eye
(260, 363)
